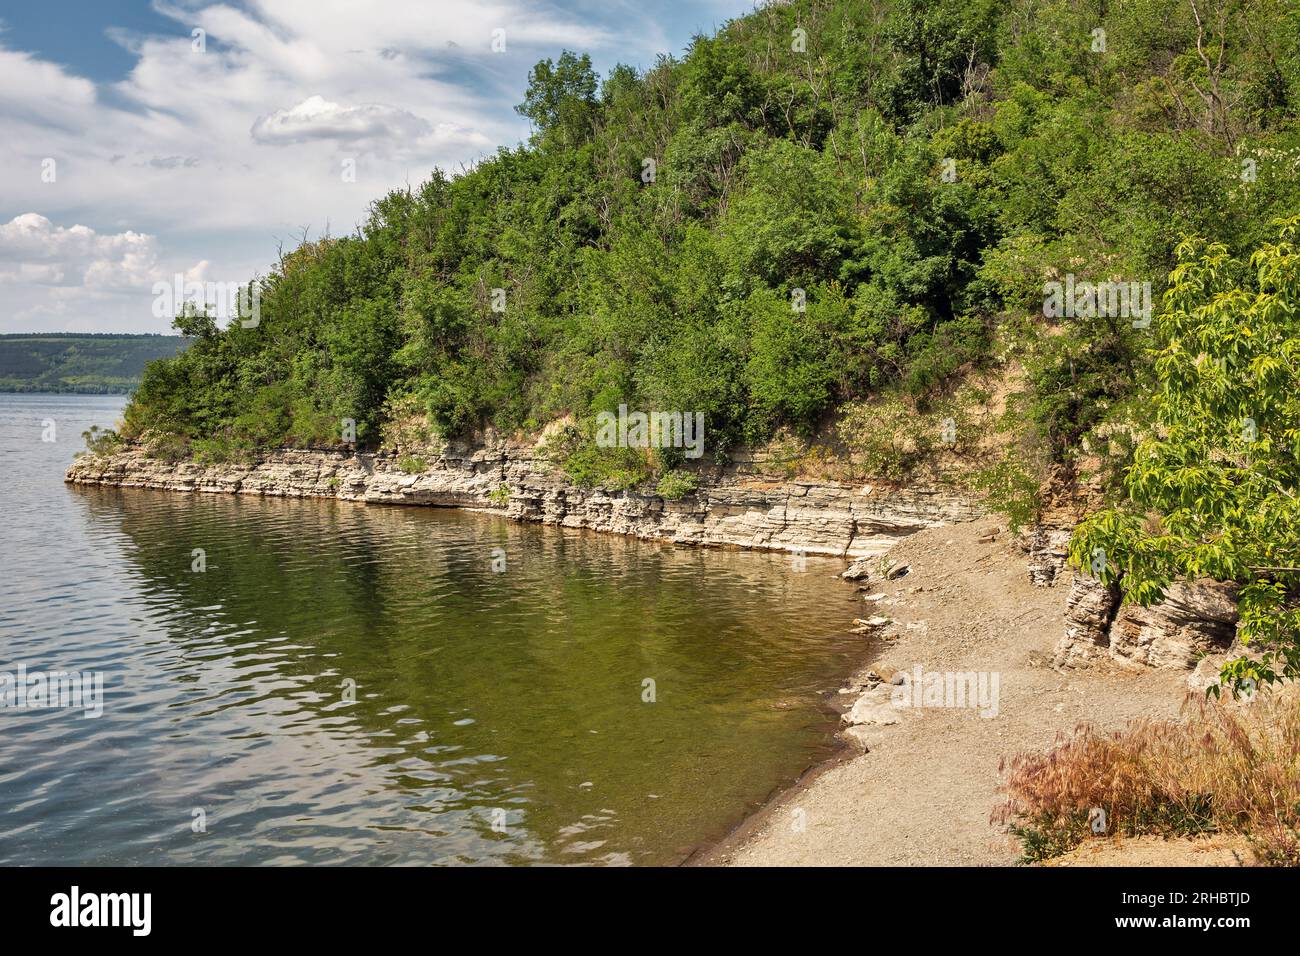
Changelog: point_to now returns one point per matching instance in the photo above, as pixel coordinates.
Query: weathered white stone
(1193, 620)
(728, 510)
(1048, 549)
(870, 712)
(862, 739)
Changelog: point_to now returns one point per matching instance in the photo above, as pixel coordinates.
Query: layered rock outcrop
(1047, 548)
(733, 508)
(1194, 620)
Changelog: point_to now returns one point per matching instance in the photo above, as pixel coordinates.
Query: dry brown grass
(1222, 766)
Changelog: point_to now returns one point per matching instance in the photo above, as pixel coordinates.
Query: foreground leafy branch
(1212, 489)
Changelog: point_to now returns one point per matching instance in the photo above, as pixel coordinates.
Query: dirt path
(923, 793)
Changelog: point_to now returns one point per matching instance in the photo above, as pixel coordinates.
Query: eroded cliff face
(1195, 620)
(734, 509)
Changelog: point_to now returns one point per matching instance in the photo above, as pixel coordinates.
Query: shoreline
(737, 506)
(715, 853)
(923, 790)
(827, 519)
(841, 750)
(898, 787)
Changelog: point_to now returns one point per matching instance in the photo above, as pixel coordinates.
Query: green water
(499, 716)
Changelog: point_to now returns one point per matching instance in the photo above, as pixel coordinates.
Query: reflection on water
(496, 717)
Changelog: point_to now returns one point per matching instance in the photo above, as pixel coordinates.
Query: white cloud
(371, 124)
(218, 155)
(78, 279)
(35, 90)
(31, 246)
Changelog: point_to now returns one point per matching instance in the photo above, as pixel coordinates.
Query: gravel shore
(923, 793)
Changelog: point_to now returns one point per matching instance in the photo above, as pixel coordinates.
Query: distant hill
(103, 364)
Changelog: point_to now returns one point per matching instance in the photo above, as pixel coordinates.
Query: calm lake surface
(497, 717)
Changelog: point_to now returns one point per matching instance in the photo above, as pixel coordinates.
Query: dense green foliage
(911, 170)
(72, 362)
(1213, 489)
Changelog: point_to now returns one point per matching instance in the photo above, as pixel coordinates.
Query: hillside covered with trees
(105, 364)
(816, 226)
(917, 169)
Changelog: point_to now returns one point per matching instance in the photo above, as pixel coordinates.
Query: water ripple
(352, 684)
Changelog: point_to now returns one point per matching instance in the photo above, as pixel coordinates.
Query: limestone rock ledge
(1194, 620)
(513, 480)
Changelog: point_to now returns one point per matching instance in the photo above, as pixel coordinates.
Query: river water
(330, 682)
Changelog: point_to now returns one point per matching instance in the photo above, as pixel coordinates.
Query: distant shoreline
(70, 363)
(65, 391)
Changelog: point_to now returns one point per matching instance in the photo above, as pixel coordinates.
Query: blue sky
(134, 152)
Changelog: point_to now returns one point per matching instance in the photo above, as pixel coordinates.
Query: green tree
(1213, 489)
(561, 97)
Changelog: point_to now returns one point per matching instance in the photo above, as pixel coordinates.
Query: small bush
(588, 465)
(410, 465)
(887, 438)
(676, 484)
(222, 448)
(1012, 491)
(102, 441)
(500, 496)
(406, 425)
(166, 447)
(892, 438)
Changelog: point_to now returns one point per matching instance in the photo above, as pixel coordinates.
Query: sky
(143, 141)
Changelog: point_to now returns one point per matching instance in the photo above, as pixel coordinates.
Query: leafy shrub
(102, 441)
(676, 484)
(1212, 490)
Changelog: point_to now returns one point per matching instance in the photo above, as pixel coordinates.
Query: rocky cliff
(738, 507)
(1195, 619)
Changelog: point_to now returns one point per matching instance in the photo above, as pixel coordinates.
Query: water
(497, 717)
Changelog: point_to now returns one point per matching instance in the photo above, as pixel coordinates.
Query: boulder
(872, 709)
(861, 739)
(857, 571)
